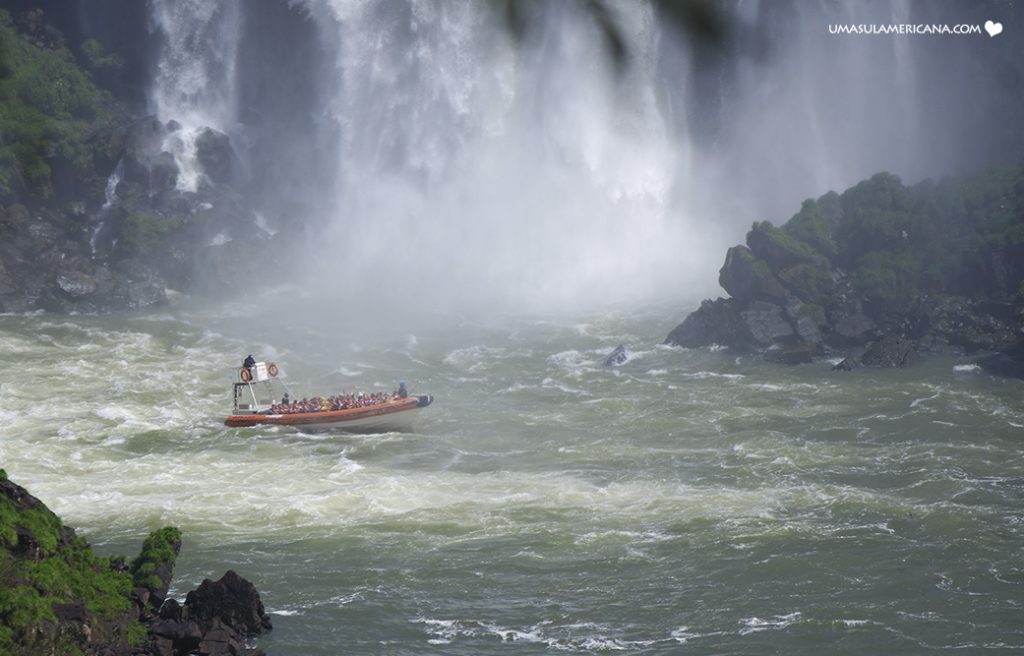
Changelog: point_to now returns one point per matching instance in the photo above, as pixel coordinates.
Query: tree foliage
(48, 105)
(960, 235)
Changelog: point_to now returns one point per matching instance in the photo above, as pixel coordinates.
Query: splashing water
(195, 82)
(464, 167)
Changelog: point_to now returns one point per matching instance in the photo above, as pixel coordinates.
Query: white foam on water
(551, 383)
(705, 375)
(473, 358)
(757, 624)
(571, 359)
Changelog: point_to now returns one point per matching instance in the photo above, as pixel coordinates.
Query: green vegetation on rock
(159, 550)
(143, 231)
(44, 566)
(961, 235)
(777, 246)
(814, 223)
(48, 108)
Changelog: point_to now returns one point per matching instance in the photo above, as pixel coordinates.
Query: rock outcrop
(617, 356)
(214, 620)
(877, 274)
(118, 207)
(58, 597)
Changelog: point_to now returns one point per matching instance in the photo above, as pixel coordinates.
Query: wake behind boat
(262, 399)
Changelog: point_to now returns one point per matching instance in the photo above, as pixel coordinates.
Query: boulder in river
(617, 356)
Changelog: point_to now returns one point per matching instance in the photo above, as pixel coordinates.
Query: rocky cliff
(58, 597)
(939, 264)
(95, 211)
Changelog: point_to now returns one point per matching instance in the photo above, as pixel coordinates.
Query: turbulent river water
(683, 502)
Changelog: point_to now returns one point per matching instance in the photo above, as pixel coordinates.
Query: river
(686, 501)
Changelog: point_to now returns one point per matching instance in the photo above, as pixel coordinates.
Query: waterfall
(110, 191)
(109, 199)
(474, 167)
(195, 83)
(449, 160)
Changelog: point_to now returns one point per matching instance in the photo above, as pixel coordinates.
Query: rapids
(682, 502)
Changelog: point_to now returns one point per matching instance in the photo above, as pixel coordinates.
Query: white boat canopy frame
(262, 385)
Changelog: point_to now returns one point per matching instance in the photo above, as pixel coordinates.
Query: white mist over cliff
(446, 163)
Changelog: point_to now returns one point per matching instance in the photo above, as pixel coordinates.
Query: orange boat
(260, 397)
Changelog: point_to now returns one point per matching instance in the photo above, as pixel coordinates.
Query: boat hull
(394, 415)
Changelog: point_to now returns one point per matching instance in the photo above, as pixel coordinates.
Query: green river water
(685, 502)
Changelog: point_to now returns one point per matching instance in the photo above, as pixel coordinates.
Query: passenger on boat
(402, 392)
(248, 364)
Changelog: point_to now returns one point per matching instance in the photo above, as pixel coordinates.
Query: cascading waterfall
(195, 82)
(480, 168)
(109, 199)
(521, 173)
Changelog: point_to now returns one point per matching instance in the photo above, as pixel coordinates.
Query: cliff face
(58, 597)
(93, 215)
(941, 264)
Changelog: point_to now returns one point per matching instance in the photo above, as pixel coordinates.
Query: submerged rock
(888, 351)
(617, 356)
(1004, 365)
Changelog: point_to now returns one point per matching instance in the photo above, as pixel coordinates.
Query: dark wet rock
(974, 324)
(715, 322)
(746, 277)
(144, 152)
(216, 156)
(177, 631)
(799, 353)
(232, 601)
(1005, 365)
(807, 319)
(616, 357)
(810, 282)
(766, 324)
(76, 284)
(849, 363)
(215, 620)
(888, 351)
(852, 329)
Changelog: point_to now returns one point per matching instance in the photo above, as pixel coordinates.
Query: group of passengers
(339, 402)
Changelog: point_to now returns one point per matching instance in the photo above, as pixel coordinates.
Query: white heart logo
(993, 28)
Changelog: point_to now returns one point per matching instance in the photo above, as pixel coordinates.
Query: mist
(430, 160)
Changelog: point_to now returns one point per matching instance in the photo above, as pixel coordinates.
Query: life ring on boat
(245, 375)
(272, 369)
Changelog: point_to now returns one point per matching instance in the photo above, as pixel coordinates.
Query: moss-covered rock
(152, 569)
(777, 247)
(866, 259)
(749, 278)
(49, 109)
(58, 597)
(52, 584)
